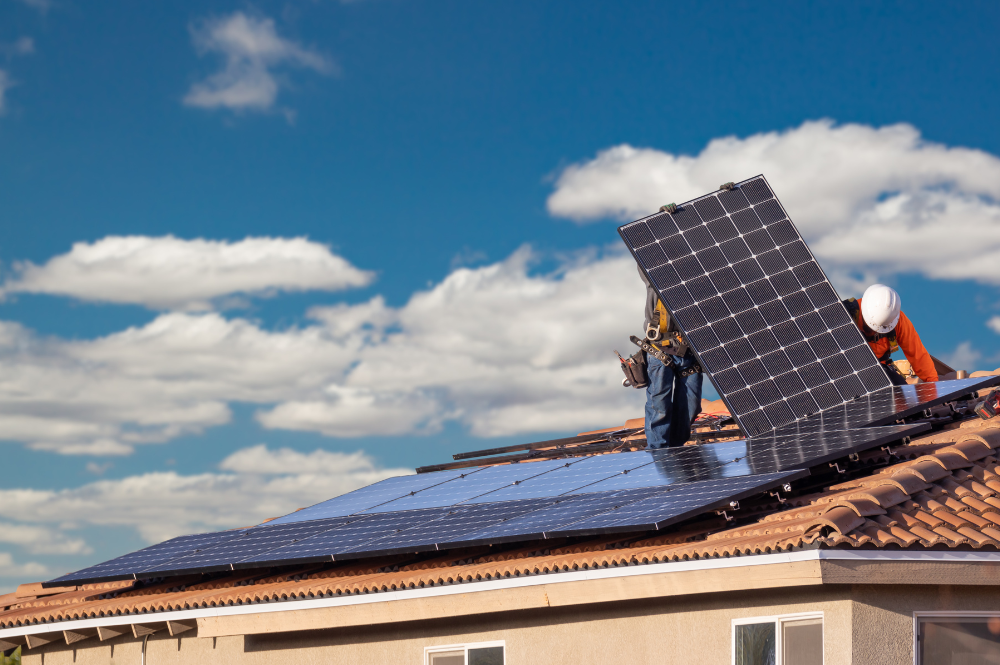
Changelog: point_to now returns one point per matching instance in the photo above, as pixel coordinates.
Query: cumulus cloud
(994, 324)
(20, 46)
(173, 273)
(870, 201)
(5, 84)
(253, 52)
(41, 540)
(965, 356)
(41, 5)
(253, 484)
(497, 348)
(8, 568)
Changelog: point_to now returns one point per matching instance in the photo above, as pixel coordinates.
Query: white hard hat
(880, 308)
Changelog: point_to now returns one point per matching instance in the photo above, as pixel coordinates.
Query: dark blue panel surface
(468, 488)
(374, 495)
(675, 505)
(582, 471)
(250, 543)
(360, 530)
(125, 567)
(567, 510)
(454, 526)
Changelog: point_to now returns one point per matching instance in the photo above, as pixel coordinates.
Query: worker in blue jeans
(672, 401)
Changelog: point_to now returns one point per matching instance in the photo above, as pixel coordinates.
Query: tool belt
(665, 350)
(634, 368)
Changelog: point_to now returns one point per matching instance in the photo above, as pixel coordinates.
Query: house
(889, 556)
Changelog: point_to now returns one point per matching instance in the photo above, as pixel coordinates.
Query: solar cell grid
(663, 509)
(769, 306)
(248, 543)
(484, 481)
(128, 565)
(373, 495)
(362, 529)
(457, 524)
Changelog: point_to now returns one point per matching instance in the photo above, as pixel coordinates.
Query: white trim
(508, 583)
(778, 620)
(944, 614)
(465, 648)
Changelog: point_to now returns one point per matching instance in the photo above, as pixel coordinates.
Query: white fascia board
(510, 583)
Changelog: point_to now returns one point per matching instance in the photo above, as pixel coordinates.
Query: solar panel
(897, 402)
(360, 530)
(763, 319)
(565, 510)
(452, 527)
(484, 481)
(672, 506)
(250, 542)
(459, 526)
(373, 495)
(126, 566)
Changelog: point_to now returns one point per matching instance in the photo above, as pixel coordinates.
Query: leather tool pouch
(635, 371)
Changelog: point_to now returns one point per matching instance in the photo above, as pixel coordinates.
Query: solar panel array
(755, 305)
(631, 491)
(448, 509)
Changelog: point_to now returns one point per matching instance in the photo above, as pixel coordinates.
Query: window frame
(942, 614)
(464, 647)
(778, 620)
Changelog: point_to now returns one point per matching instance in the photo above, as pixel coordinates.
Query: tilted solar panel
(374, 495)
(250, 542)
(438, 529)
(126, 566)
(764, 320)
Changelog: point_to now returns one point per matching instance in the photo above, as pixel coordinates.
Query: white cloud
(870, 201)
(8, 568)
(5, 84)
(252, 50)
(173, 273)
(21, 46)
(496, 348)
(41, 5)
(256, 483)
(965, 356)
(41, 540)
(994, 324)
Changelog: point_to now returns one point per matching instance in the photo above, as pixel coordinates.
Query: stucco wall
(862, 625)
(678, 630)
(883, 616)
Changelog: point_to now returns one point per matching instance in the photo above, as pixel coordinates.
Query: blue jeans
(672, 402)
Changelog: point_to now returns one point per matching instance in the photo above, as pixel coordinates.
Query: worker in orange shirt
(886, 329)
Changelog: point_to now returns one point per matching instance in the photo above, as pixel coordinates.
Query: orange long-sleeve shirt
(909, 342)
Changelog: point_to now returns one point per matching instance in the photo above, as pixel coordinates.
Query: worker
(887, 329)
(673, 401)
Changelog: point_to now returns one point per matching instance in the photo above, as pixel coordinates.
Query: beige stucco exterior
(863, 624)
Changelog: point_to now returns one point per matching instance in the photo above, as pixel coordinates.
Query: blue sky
(444, 153)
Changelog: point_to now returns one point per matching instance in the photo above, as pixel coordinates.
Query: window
(483, 653)
(958, 638)
(794, 639)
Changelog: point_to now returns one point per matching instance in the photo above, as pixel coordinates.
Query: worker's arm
(913, 349)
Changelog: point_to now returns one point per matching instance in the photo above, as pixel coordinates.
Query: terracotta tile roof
(945, 493)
